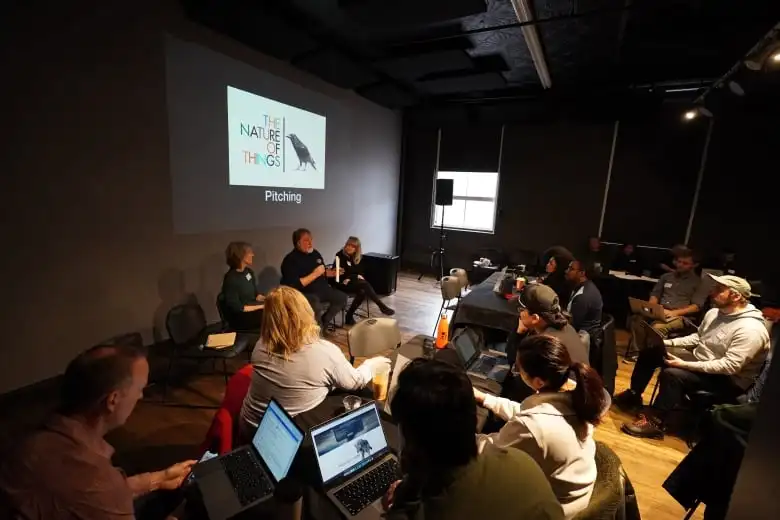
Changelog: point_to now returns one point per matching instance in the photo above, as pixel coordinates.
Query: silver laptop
(654, 311)
(482, 366)
(247, 476)
(355, 462)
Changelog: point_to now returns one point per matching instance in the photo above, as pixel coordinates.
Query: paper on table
(400, 362)
(218, 341)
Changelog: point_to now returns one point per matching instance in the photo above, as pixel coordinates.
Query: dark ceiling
(403, 53)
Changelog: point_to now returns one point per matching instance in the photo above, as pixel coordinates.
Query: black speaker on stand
(443, 198)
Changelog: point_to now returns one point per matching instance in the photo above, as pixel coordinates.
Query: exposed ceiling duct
(525, 15)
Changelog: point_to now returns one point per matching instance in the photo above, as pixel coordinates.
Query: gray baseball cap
(735, 283)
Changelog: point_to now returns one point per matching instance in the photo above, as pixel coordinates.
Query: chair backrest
(373, 336)
(222, 433)
(185, 323)
(461, 275)
(221, 310)
(608, 496)
(450, 287)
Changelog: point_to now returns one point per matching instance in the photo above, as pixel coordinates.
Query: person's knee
(670, 374)
(338, 298)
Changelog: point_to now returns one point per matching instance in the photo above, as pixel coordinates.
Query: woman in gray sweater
(293, 364)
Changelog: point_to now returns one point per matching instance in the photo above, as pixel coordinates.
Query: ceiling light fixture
(524, 14)
(776, 57)
(690, 115)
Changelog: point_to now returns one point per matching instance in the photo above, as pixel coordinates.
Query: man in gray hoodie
(723, 357)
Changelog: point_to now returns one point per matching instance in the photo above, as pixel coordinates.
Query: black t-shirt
(239, 288)
(298, 264)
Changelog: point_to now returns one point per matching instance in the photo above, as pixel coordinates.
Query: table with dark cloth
(482, 307)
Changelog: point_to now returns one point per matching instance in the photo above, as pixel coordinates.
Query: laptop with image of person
(247, 476)
(355, 462)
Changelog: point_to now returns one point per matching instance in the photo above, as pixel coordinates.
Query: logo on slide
(273, 144)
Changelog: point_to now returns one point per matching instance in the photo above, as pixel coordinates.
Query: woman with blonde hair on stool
(352, 281)
(293, 364)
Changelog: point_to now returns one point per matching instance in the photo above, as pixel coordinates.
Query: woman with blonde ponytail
(555, 425)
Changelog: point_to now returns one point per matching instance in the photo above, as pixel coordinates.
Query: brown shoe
(646, 427)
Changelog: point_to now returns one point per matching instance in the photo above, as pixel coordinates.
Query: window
(474, 202)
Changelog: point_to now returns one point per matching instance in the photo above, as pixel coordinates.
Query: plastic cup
(351, 402)
(519, 283)
(380, 382)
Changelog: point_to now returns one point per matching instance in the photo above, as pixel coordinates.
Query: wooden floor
(158, 434)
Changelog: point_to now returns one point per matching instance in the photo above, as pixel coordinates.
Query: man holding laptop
(680, 293)
(723, 357)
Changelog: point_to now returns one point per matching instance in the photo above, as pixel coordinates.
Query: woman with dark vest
(242, 303)
(352, 281)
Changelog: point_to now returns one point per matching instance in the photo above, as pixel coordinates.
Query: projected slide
(272, 144)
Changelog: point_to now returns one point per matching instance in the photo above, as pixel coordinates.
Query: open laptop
(654, 311)
(480, 366)
(355, 462)
(246, 476)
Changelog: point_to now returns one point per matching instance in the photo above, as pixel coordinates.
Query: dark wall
(550, 189)
(86, 225)
(553, 176)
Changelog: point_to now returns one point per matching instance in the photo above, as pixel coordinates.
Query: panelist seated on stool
(554, 426)
(243, 305)
(444, 476)
(723, 357)
(294, 365)
(304, 269)
(351, 281)
(681, 293)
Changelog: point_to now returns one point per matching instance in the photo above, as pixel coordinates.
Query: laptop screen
(348, 443)
(277, 440)
(465, 347)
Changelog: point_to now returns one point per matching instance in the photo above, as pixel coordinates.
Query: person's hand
(341, 270)
(345, 282)
(387, 500)
(673, 361)
(318, 271)
(479, 396)
(260, 297)
(360, 277)
(377, 362)
(670, 313)
(521, 328)
(330, 273)
(173, 476)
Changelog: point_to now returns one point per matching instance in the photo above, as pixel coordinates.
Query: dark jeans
(326, 302)
(362, 290)
(676, 383)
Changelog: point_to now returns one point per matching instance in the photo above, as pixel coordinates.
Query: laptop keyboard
(247, 476)
(484, 365)
(367, 488)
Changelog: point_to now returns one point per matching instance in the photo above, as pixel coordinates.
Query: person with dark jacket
(585, 304)
(304, 269)
(558, 259)
(243, 306)
(353, 282)
(594, 258)
(627, 260)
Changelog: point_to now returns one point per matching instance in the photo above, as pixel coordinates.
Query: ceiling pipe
(525, 15)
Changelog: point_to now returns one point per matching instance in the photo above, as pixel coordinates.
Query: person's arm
(341, 374)
(169, 478)
(501, 406)
(691, 340)
(682, 311)
(309, 278)
(230, 292)
(514, 434)
(658, 289)
(744, 345)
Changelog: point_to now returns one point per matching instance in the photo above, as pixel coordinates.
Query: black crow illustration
(302, 152)
(363, 448)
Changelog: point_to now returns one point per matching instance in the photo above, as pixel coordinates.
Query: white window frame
(493, 199)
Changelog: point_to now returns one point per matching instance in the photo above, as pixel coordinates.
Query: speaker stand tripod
(438, 255)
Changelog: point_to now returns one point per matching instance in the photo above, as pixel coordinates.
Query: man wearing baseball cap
(541, 313)
(723, 357)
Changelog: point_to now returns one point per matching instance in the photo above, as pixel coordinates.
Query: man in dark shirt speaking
(304, 269)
